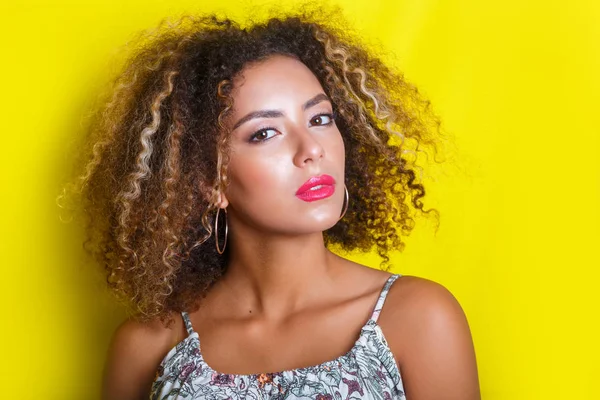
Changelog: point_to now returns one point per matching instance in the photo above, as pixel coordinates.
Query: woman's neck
(276, 276)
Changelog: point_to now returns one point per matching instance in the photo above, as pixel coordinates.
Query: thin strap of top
(374, 316)
(382, 296)
(187, 322)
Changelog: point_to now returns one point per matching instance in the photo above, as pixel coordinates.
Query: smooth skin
(286, 301)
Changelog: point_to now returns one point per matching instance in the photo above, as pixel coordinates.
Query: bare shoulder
(415, 297)
(417, 307)
(430, 338)
(135, 351)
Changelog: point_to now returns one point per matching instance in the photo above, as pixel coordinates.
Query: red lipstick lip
(316, 181)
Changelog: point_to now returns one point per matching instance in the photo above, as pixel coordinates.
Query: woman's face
(283, 137)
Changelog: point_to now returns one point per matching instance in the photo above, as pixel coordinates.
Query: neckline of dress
(332, 362)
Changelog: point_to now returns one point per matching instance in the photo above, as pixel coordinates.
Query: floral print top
(367, 371)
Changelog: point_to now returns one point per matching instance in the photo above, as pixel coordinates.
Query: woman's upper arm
(435, 348)
(135, 351)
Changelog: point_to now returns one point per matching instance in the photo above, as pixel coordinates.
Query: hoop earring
(346, 205)
(220, 251)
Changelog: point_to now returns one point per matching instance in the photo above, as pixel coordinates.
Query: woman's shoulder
(429, 335)
(133, 335)
(135, 351)
(413, 303)
(408, 290)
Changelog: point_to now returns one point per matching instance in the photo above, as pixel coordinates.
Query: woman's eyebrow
(258, 114)
(315, 100)
(278, 113)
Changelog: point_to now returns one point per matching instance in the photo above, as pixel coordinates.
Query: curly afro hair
(158, 157)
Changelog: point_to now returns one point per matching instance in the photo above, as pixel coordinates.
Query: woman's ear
(223, 201)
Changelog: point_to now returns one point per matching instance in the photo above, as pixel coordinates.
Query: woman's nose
(308, 147)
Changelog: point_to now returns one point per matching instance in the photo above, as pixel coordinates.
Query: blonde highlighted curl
(158, 152)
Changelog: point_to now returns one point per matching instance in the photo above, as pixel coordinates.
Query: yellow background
(516, 83)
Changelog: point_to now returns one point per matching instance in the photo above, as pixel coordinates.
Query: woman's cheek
(260, 175)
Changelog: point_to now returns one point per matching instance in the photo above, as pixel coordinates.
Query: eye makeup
(254, 137)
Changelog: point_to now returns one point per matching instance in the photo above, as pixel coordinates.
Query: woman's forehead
(278, 83)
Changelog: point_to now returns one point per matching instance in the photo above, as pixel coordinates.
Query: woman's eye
(263, 134)
(322, 119)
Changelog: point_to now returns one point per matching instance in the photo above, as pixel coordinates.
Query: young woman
(225, 164)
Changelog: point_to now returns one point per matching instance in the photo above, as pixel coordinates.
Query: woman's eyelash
(255, 134)
(331, 116)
